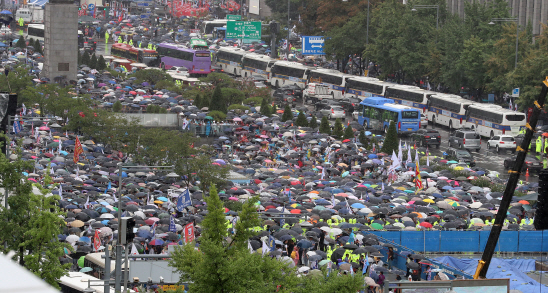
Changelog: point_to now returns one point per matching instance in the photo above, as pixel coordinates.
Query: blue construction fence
(466, 241)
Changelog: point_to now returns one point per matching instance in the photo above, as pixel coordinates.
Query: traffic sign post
(84, 6)
(515, 93)
(233, 17)
(91, 6)
(243, 30)
(313, 45)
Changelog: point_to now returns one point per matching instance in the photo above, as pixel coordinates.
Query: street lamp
(517, 33)
(437, 7)
(121, 167)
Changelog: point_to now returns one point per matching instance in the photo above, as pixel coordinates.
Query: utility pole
(483, 264)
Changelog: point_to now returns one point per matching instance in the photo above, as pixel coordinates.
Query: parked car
(297, 91)
(460, 155)
(259, 84)
(425, 137)
(334, 112)
(531, 163)
(424, 121)
(502, 142)
(284, 95)
(465, 139)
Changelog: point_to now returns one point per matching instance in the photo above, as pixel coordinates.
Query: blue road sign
(91, 6)
(515, 92)
(313, 45)
(142, 4)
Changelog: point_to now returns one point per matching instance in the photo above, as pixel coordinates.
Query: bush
(217, 102)
(265, 108)
(164, 84)
(38, 47)
(101, 64)
(324, 126)
(238, 108)
(313, 123)
(481, 182)
(301, 120)
(274, 110)
(390, 143)
(458, 173)
(217, 115)
(348, 133)
(21, 43)
(233, 205)
(93, 62)
(441, 168)
(117, 107)
(287, 114)
(253, 101)
(338, 131)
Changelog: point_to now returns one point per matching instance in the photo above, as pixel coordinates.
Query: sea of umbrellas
(314, 182)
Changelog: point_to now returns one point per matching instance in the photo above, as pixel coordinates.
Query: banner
(184, 200)
(189, 233)
(78, 150)
(96, 241)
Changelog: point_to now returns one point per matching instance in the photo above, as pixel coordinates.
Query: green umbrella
(81, 261)
(86, 269)
(53, 144)
(377, 226)
(324, 262)
(208, 118)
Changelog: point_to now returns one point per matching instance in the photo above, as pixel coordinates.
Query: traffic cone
(527, 173)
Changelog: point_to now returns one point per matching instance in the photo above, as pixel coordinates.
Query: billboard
(254, 7)
(313, 45)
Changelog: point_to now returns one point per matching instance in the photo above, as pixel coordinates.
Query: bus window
(409, 115)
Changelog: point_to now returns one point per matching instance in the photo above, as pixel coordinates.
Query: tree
(313, 123)
(288, 115)
(152, 77)
(348, 132)
(16, 81)
(232, 96)
(338, 131)
(363, 139)
(21, 43)
(31, 223)
(217, 102)
(324, 126)
(274, 110)
(390, 143)
(101, 64)
(38, 47)
(198, 101)
(265, 108)
(228, 266)
(86, 59)
(301, 120)
(93, 62)
(117, 106)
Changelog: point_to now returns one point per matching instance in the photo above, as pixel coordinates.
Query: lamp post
(437, 7)
(517, 33)
(118, 273)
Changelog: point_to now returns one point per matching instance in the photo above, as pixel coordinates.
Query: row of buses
(443, 109)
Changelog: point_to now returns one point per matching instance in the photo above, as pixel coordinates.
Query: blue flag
(16, 127)
(365, 264)
(184, 200)
(172, 227)
(351, 238)
(271, 243)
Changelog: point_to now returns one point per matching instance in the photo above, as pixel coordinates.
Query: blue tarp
(513, 269)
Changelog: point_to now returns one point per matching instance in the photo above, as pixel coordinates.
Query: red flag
(78, 150)
(96, 241)
(189, 233)
(418, 180)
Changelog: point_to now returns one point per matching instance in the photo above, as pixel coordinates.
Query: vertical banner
(189, 233)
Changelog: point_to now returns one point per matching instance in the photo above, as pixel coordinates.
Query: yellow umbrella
(454, 203)
(428, 200)
(459, 168)
(158, 202)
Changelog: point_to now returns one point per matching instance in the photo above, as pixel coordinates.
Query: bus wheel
(433, 121)
(450, 125)
(277, 84)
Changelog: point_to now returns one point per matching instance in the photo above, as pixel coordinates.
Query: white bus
(489, 120)
(76, 282)
(35, 31)
(448, 110)
(365, 87)
(256, 64)
(209, 25)
(289, 73)
(411, 96)
(230, 60)
(335, 80)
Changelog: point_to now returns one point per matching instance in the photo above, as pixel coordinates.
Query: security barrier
(466, 241)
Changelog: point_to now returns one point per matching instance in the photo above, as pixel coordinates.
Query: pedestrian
(390, 257)
(380, 282)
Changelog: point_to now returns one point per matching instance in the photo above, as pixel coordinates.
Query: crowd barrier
(466, 241)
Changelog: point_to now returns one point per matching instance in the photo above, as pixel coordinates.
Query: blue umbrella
(372, 156)
(85, 239)
(358, 205)
(5, 12)
(304, 244)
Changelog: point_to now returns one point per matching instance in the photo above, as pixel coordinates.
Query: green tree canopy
(348, 133)
(313, 122)
(391, 141)
(338, 131)
(218, 102)
(324, 126)
(301, 120)
(288, 115)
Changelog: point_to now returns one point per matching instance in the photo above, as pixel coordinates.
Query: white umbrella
(72, 238)
(107, 216)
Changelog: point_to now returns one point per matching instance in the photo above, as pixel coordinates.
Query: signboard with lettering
(243, 30)
(233, 17)
(313, 45)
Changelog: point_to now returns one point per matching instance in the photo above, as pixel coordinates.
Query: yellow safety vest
(131, 42)
(120, 39)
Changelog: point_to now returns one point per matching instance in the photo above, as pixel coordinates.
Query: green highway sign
(243, 30)
(233, 17)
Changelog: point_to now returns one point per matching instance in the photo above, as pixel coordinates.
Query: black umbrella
(413, 265)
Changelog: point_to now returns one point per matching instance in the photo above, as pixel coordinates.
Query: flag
(511, 107)
(189, 233)
(86, 205)
(172, 227)
(515, 106)
(365, 264)
(134, 249)
(114, 195)
(249, 246)
(418, 181)
(333, 199)
(61, 191)
(185, 124)
(153, 228)
(184, 200)
(427, 160)
(24, 109)
(271, 243)
(351, 238)
(382, 186)
(16, 127)
(349, 209)
(266, 249)
(96, 241)
(409, 160)
(78, 150)
(323, 173)
(416, 155)
(400, 154)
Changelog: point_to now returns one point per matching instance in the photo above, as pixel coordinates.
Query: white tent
(15, 278)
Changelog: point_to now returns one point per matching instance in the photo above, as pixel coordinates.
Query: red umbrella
(132, 92)
(296, 211)
(346, 140)
(426, 225)
(49, 155)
